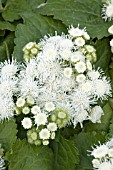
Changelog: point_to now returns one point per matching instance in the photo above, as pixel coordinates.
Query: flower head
(44, 134)
(107, 10)
(27, 123)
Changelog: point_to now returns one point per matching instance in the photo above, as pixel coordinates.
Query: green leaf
(103, 53)
(35, 27)
(105, 121)
(65, 154)
(6, 47)
(7, 134)
(7, 26)
(86, 13)
(29, 157)
(84, 141)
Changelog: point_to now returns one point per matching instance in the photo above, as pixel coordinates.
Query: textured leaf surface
(29, 157)
(6, 26)
(65, 154)
(86, 13)
(7, 134)
(84, 141)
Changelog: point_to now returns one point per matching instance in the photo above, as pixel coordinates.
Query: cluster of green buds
(61, 117)
(30, 50)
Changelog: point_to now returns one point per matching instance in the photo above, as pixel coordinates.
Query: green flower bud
(34, 135)
(53, 117)
(30, 140)
(37, 142)
(62, 115)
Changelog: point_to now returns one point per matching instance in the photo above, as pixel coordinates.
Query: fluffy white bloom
(80, 78)
(2, 164)
(87, 86)
(110, 153)
(96, 114)
(110, 29)
(35, 110)
(66, 54)
(8, 68)
(7, 108)
(26, 123)
(66, 43)
(52, 126)
(30, 100)
(77, 56)
(40, 119)
(75, 32)
(107, 10)
(50, 106)
(94, 74)
(67, 72)
(20, 102)
(96, 163)
(80, 42)
(106, 166)
(100, 151)
(111, 43)
(31, 69)
(80, 67)
(44, 134)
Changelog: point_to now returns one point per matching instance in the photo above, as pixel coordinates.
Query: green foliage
(29, 157)
(86, 13)
(7, 134)
(84, 141)
(65, 154)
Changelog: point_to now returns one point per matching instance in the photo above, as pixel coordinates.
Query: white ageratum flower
(30, 100)
(96, 163)
(96, 113)
(107, 165)
(26, 123)
(87, 86)
(68, 72)
(88, 65)
(52, 126)
(80, 67)
(20, 102)
(44, 134)
(80, 78)
(107, 10)
(110, 153)
(100, 151)
(66, 54)
(65, 43)
(26, 110)
(9, 68)
(86, 36)
(7, 108)
(94, 74)
(77, 56)
(111, 43)
(40, 119)
(75, 32)
(80, 42)
(2, 164)
(110, 29)
(35, 110)
(49, 106)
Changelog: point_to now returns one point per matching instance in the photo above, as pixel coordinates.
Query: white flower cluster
(110, 30)
(107, 10)
(61, 76)
(103, 156)
(8, 88)
(41, 125)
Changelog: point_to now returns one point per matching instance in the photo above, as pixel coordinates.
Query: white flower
(26, 123)
(26, 110)
(79, 42)
(111, 43)
(45, 142)
(107, 11)
(61, 115)
(93, 75)
(110, 29)
(40, 119)
(77, 56)
(66, 43)
(110, 153)
(96, 163)
(75, 32)
(96, 114)
(100, 151)
(50, 106)
(80, 78)
(29, 45)
(35, 110)
(30, 100)
(66, 54)
(2, 164)
(87, 86)
(89, 65)
(7, 108)
(44, 134)
(86, 36)
(90, 48)
(67, 72)
(52, 126)
(20, 102)
(105, 166)
(80, 67)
